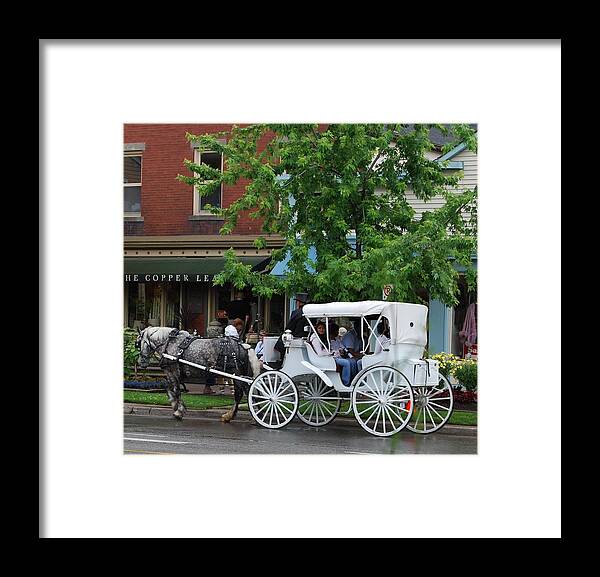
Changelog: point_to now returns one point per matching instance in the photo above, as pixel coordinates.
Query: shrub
(130, 353)
(465, 372)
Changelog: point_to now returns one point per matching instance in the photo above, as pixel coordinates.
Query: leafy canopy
(342, 189)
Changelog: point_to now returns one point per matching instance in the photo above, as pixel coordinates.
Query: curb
(145, 410)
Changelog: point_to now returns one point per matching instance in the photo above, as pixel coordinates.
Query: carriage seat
(324, 363)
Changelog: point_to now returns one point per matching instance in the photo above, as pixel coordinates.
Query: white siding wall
(469, 181)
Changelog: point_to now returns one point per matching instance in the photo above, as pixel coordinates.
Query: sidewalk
(245, 416)
(197, 389)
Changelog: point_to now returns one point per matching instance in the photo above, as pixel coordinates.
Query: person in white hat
(231, 331)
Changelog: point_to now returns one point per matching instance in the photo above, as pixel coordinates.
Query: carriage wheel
(273, 399)
(382, 400)
(319, 404)
(433, 407)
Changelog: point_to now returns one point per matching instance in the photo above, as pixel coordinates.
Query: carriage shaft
(217, 372)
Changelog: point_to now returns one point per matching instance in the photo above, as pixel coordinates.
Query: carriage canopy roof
(361, 308)
(408, 321)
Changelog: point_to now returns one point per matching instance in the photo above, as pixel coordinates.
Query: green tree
(317, 185)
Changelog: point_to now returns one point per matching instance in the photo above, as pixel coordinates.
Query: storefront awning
(182, 269)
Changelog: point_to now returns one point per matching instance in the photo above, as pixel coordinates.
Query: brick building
(172, 247)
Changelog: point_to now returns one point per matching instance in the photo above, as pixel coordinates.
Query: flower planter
(465, 400)
(145, 385)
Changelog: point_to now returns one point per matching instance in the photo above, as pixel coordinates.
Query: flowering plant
(463, 370)
(447, 361)
(465, 396)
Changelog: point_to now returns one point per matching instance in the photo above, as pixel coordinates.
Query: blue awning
(281, 268)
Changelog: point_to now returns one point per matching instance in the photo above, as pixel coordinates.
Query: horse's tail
(253, 363)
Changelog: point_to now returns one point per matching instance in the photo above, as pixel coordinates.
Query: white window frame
(197, 160)
(126, 154)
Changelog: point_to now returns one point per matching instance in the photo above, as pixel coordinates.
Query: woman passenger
(318, 341)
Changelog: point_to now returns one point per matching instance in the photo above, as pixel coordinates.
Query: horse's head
(138, 340)
(142, 343)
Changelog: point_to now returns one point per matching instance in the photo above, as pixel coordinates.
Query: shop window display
(195, 305)
(145, 304)
(152, 305)
(171, 291)
(136, 314)
(464, 333)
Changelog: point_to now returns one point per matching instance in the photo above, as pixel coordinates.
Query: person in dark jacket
(296, 324)
(297, 321)
(240, 308)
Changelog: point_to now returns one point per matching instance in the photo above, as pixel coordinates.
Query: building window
(132, 184)
(214, 160)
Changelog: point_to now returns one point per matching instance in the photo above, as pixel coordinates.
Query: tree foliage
(319, 186)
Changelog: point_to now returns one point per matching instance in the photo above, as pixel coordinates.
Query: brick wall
(133, 228)
(205, 227)
(167, 203)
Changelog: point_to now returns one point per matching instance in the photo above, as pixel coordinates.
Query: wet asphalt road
(202, 435)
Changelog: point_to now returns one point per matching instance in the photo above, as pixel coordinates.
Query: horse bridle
(152, 348)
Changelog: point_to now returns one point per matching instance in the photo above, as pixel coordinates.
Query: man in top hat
(296, 323)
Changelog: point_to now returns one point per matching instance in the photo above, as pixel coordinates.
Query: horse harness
(182, 347)
(229, 359)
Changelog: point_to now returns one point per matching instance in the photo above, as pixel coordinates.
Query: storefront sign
(470, 352)
(169, 277)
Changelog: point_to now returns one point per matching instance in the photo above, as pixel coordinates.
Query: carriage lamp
(287, 338)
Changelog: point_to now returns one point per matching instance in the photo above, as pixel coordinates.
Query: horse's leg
(174, 392)
(181, 377)
(238, 393)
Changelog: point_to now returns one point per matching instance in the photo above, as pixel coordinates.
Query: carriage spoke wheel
(382, 401)
(433, 407)
(319, 404)
(273, 399)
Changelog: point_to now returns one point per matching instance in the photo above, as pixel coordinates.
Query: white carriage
(394, 389)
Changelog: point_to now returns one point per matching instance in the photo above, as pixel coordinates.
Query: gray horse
(225, 354)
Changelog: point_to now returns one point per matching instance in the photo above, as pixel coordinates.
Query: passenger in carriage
(383, 335)
(352, 340)
(336, 342)
(383, 338)
(318, 341)
(353, 344)
(340, 351)
(260, 347)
